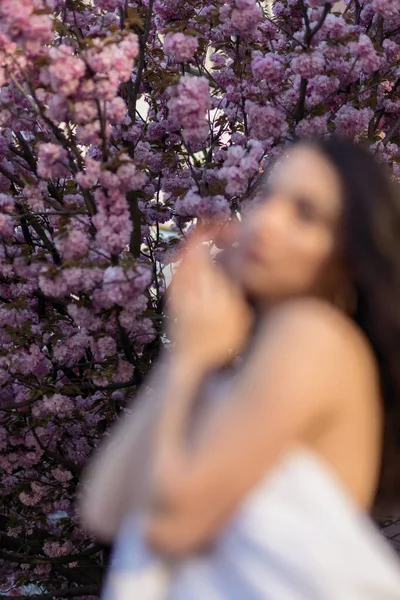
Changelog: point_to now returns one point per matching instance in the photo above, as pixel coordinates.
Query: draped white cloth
(297, 536)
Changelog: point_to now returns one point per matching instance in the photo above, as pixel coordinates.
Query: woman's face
(288, 242)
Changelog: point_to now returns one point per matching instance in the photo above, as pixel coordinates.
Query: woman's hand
(209, 316)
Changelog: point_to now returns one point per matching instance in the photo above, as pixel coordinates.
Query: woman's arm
(115, 482)
(286, 389)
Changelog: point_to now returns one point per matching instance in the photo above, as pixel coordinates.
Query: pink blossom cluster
(180, 47)
(74, 244)
(127, 177)
(320, 88)
(89, 177)
(57, 404)
(59, 283)
(364, 51)
(111, 64)
(265, 120)
(269, 67)
(188, 105)
(209, 207)
(65, 71)
(58, 549)
(352, 121)
(52, 161)
(23, 23)
(112, 223)
(62, 475)
(387, 8)
(243, 16)
(123, 287)
(312, 127)
(308, 65)
(109, 5)
(240, 165)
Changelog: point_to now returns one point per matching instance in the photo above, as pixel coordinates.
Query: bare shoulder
(317, 330)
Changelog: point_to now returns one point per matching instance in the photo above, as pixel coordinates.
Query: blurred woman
(260, 484)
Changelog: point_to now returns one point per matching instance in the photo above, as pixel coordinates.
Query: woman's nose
(269, 219)
(273, 216)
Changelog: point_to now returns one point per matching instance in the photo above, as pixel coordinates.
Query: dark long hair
(371, 246)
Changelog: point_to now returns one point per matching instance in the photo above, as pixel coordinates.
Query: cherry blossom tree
(116, 118)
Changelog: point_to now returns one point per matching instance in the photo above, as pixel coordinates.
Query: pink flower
(107, 346)
(113, 233)
(30, 31)
(27, 360)
(189, 103)
(321, 87)
(62, 475)
(84, 317)
(52, 161)
(387, 8)
(180, 47)
(74, 245)
(308, 65)
(108, 179)
(29, 499)
(130, 45)
(246, 16)
(125, 370)
(239, 166)
(85, 111)
(129, 177)
(6, 226)
(268, 67)
(53, 287)
(213, 207)
(265, 121)
(34, 496)
(57, 405)
(65, 70)
(335, 27)
(313, 126)
(368, 58)
(109, 4)
(218, 59)
(42, 570)
(144, 153)
(192, 204)
(92, 132)
(55, 548)
(187, 206)
(392, 50)
(114, 60)
(156, 130)
(351, 121)
(57, 108)
(116, 110)
(91, 174)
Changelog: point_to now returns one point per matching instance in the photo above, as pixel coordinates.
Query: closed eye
(307, 211)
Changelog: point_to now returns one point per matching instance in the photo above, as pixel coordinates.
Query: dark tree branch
(19, 557)
(392, 131)
(136, 235)
(74, 592)
(300, 109)
(133, 91)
